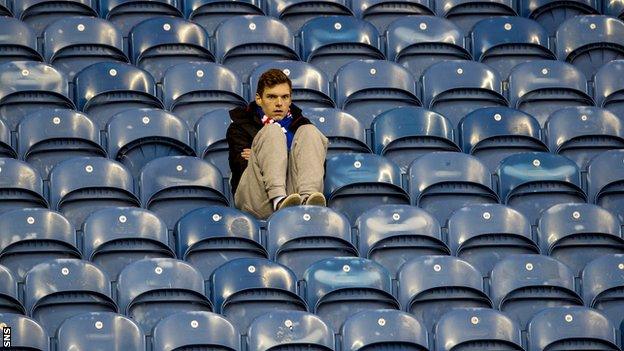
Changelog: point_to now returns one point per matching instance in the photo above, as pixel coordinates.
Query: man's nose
(279, 101)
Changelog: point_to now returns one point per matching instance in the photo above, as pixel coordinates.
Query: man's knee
(309, 131)
(270, 133)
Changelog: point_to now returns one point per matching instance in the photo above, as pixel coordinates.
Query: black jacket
(241, 132)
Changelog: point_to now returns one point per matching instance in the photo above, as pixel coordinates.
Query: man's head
(273, 93)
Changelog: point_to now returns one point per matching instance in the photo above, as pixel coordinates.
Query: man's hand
(246, 154)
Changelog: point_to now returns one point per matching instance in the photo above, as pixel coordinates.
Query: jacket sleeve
(237, 141)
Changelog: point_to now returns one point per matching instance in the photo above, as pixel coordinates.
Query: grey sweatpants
(273, 171)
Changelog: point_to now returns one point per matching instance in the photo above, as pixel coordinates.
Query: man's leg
(306, 161)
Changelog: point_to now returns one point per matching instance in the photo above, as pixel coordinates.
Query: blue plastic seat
(522, 285)
(382, 13)
(9, 296)
(210, 13)
(430, 286)
(609, 87)
(442, 182)
(367, 88)
(417, 42)
(571, 328)
(539, 88)
(126, 14)
(310, 86)
(116, 237)
(466, 13)
(532, 182)
(195, 329)
(138, 136)
(356, 182)
(482, 235)
(246, 288)
(613, 9)
(356, 285)
(505, 42)
(211, 142)
(27, 86)
(295, 13)
(603, 280)
(477, 329)
(21, 186)
(194, 89)
(580, 133)
(299, 236)
(28, 336)
(344, 132)
(590, 41)
(393, 234)
(403, 134)
(100, 331)
(551, 13)
(304, 331)
(5, 8)
(175, 185)
(456, 88)
(160, 43)
(243, 43)
(6, 149)
(63, 288)
(211, 236)
(83, 185)
(493, 133)
(333, 41)
(383, 329)
(107, 88)
(50, 136)
(38, 14)
(36, 235)
(17, 41)
(73, 43)
(605, 180)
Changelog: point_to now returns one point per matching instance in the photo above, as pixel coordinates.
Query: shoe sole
(316, 199)
(290, 201)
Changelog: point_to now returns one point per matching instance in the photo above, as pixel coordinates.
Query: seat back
(211, 141)
(609, 86)
(9, 299)
(6, 149)
(38, 14)
(295, 13)
(466, 13)
(126, 14)
(29, 336)
(551, 13)
(100, 331)
(603, 286)
(605, 181)
(21, 186)
(344, 132)
(195, 329)
(19, 42)
(211, 13)
(382, 13)
(304, 331)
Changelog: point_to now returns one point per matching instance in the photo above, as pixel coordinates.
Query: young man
(276, 155)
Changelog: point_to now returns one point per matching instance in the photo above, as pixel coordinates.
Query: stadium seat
(246, 288)
(73, 43)
(551, 13)
(456, 88)
(138, 136)
(243, 43)
(17, 41)
(522, 285)
(50, 136)
(613, 9)
(571, 328)
(417, 42)
(604, 182)
(211, 236)
(466, 13)
(27, 86)
(344, 132)
(356, 285)
(290, 330)
(100, 331)
(36, 235)
(38, 14)
(355, 183)
(331, 42)
(125, 14)
(160, 43)
(195, 329)
(504, 42)
(382, 13)
(152, 289)
(116, 237)
(403, 134)
(430, 286)
(9, 294)
(299, 236)
(21, 186)
(83, 185)
(104, 89)
(482, 235)
(211, 142)
(5, 8)
(6, 149)
(477, 329)
(603, 280)
(210, 13)
(393, 234)
(196, 88)
(442, 182)
(588, 42)
(26, 333)
(63, 288)
(310, 86)
(532, 182)
(295, 13)
(580, 133)
(539, 88)
(493, 133)
(367, 88)
(609, 86)
(175, 185)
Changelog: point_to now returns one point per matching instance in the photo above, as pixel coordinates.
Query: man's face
(275, 101)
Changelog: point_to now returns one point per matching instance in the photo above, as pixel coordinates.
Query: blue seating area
(474, 176)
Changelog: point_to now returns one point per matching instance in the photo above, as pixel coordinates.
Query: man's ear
(258, 99)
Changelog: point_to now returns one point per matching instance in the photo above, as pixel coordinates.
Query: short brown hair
(271, 78)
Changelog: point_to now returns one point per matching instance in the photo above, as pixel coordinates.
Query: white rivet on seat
(199, 73)
(194, 324)
(373, 71)
(64, 271)
(536, 163)
(437, 267)
(346, 268)
(306, 217)
(216, 217)
(621, 266)
(123, 219)
(584, 118)
(288, 323)
(322, 119)
(381, 322)
(99, 325)
(423, 26)
(460, 71)
(529, 266)
(569, 318)
(487, 215)
(507, 26)
(592, 26)
(25, 72)
(112, 72)
(251, 269)
(80, 27)
(286, 71)
(544, 71)
(89, 168)
(576, 215)
(252, 26)
(158, 270)
(179, 168)
(30, 220)
(498, 117)
(396, 216)
(56, 120)
(145, 120)
(474, 320)
(357, 164)
(337, 26)
(167, 27)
